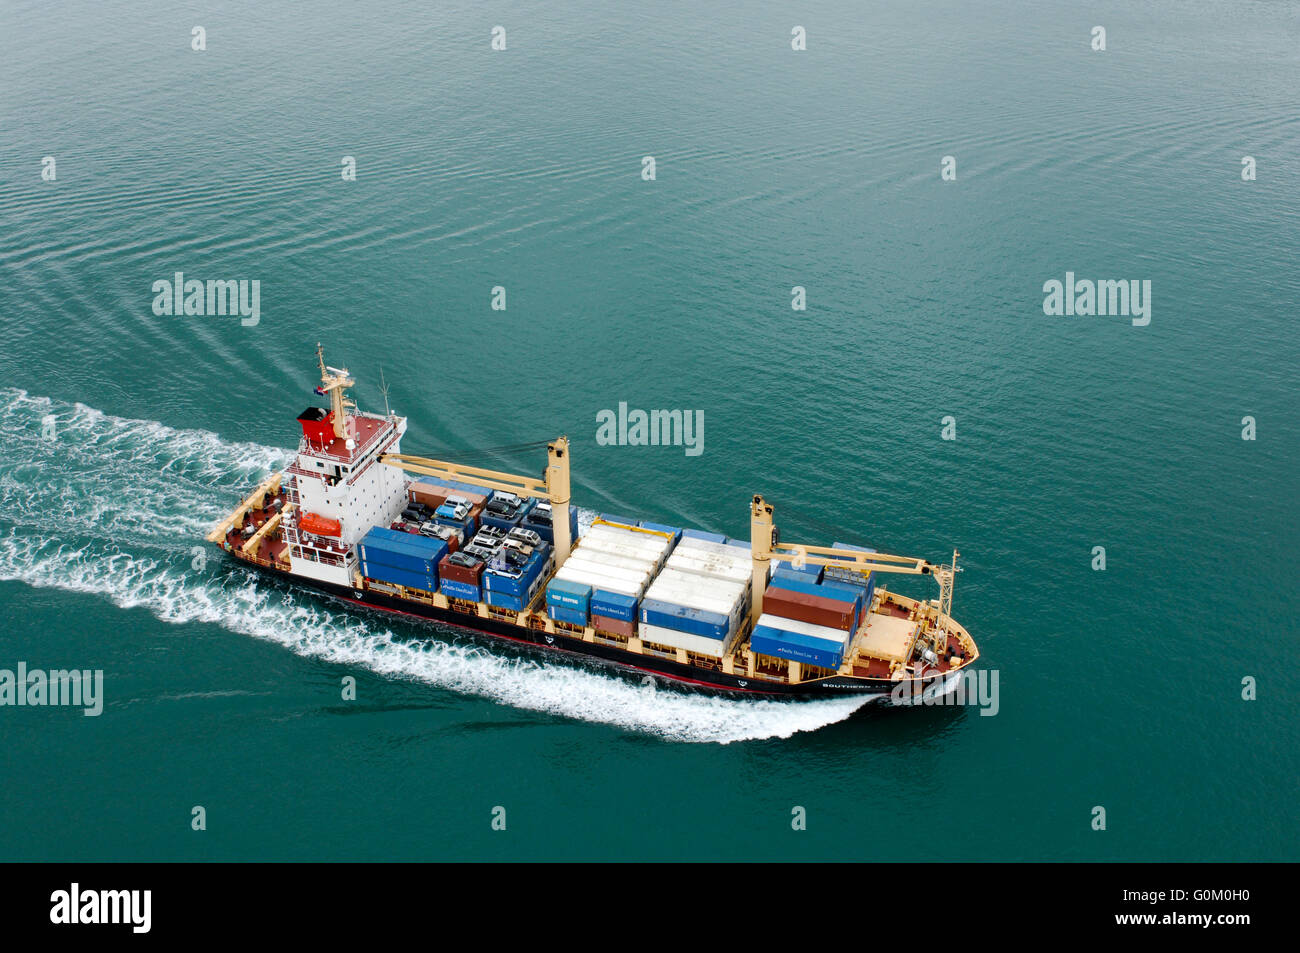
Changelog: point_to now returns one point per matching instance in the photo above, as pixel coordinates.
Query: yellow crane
(766, 545)
(553, 487)
(254, 501)
(250, 546)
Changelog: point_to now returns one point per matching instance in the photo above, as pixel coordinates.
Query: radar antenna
(383, 389)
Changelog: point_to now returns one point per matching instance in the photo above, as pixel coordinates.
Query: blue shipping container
(799, 648)
(673, 532)
(370, 568)
(399, 577)
(571, 616)
(569, 595)
(453, 589)
(410, 544)
(765, 645)
(711, 625)
(811, 573)
(507, 600)
(494, 581)
(707, 537)
(378, 557)
(826, 590)
(410, 559)
(620, 520)
(497, 583)
(613, 605)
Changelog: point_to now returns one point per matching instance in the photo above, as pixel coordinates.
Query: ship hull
(557, 644)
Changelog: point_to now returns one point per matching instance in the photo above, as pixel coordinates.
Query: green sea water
(774, 168)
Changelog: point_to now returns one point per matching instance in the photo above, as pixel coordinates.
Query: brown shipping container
(449, 570)
(811, 609)
(617, 626)
(429, 494)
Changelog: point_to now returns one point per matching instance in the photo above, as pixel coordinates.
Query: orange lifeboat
(319, 525)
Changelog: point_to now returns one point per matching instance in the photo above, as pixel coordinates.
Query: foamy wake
(117, 507)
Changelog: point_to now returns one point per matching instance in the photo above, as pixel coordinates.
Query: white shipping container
(700, 644)
(709, 564)
(837, 636)
(739, 554)
(588, 577)
(626, 550)
(629, 550)
(683, 593)
(611, 559)
(658, 545)
(732, 615)
(713, 586)
(640, 577)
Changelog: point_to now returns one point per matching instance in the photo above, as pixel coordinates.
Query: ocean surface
(774, 168)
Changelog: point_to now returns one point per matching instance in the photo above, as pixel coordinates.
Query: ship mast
(334, 382)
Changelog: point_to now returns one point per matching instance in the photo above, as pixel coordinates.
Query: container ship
(500, 555)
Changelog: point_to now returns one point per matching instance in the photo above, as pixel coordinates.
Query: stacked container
(806, 621)
(616, 563)
(698, 601)
(461, 576)
(811, 573)
(798, 641)
(401, 559)
(568, 601)
(852, 577)
(515, 589)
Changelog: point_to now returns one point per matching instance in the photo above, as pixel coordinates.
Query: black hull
(490, 629)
